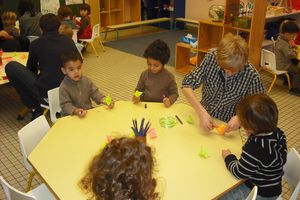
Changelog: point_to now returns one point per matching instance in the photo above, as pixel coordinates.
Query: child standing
(286, 53)
(264, 153)
(9, 23)
(123, 170)
(157, 83)
(76, 91)
(85, 30)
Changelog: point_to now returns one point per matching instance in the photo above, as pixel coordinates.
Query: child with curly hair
(123, 170)
(156, 82)
(9, 23)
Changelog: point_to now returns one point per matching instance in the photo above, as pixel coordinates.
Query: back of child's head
(64, 12)
(123, 170)
(158, 50)
(86, 7)
(65, 30)
(289, 26)
(70, 56)
(26, 6)
(9, 18)
(258, 113)
(232, 51)
(49, 23)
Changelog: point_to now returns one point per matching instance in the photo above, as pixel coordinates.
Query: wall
(198, 9)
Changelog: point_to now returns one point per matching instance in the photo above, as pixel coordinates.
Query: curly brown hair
(123, 170)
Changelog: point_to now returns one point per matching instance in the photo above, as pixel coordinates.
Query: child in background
(76, 91)
(85, 30)
(286, 52)
(65, 15)
(157, 83)
(264, 153)
(9, 23)
(123, 170)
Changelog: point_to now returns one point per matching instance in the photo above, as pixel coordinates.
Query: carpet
(137, 45)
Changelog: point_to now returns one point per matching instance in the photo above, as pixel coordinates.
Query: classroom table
(63, 155)
(20, 57)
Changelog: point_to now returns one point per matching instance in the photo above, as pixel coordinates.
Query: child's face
(154, 66)
(73, 69)
(83, 13)
(290, 36)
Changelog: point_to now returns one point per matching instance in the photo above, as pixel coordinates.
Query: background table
(20, 57)
(64, 154)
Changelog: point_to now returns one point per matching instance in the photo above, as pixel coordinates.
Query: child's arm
(140, 87)
(84, 23)
(65, 101)
(173, 94)
(287, 51)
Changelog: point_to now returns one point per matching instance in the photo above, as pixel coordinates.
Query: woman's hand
(233, 124)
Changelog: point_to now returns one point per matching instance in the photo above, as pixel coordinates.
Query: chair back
(13, 194)
(252, 195)
(268, 60)
(96, 31)
(292, 172)
(54, 105)
(30, 135)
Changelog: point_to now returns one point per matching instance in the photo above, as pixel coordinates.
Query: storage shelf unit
(210, 34)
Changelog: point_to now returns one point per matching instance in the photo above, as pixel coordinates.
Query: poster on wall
(69, 2)
(49, 6)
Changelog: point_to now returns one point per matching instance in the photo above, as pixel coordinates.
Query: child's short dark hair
(85, 6)
(70, 56)
(49, 23)
(158, 50)
(258, 113)
(64, 11)
(289, 26)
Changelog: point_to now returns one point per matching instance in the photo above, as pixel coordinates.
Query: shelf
(185, 45)
(185, 69)
(213, 23)
(206, 49)
(237, 28)
(282, 15)
(104, 12)
(115, 10)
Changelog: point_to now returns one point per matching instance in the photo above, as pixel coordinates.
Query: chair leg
(289, 80)
(101, 44)
(45, 112)
(272, 84)
(94, 49)
(31, 175)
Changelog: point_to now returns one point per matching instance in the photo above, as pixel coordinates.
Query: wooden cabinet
(110, 12)
(210, 33)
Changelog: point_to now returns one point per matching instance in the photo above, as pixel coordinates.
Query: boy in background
(264, 152)
(286, 52)
(157, 83)
(76, 91)
(9, 23)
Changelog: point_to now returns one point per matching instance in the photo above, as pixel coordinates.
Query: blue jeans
(241, 192)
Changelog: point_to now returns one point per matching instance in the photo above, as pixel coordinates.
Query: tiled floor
(116, 73)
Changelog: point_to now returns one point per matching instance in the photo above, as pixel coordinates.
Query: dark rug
(137, 45)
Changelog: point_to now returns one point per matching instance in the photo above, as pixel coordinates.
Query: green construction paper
(138, 93)
(203, 153)
(190, 120)
(167, 122)
(108, 100)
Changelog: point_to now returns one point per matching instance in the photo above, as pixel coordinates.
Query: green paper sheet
(108, 100)
(137, 93)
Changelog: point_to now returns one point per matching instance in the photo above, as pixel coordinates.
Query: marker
(145, 105)
(178, 119)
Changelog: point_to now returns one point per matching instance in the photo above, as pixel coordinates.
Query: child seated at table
(65, 15)
(156, 82)
(84, 25)
(123, 170)
(9, 23)
(76, 91)
(286, 53)
(264, 153)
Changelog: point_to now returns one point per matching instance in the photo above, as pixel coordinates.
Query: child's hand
(166, 102)
(111, 105)
(136, 99)
(80, 112)
(225, 153)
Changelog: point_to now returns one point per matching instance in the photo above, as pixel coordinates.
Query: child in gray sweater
(76, 91)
